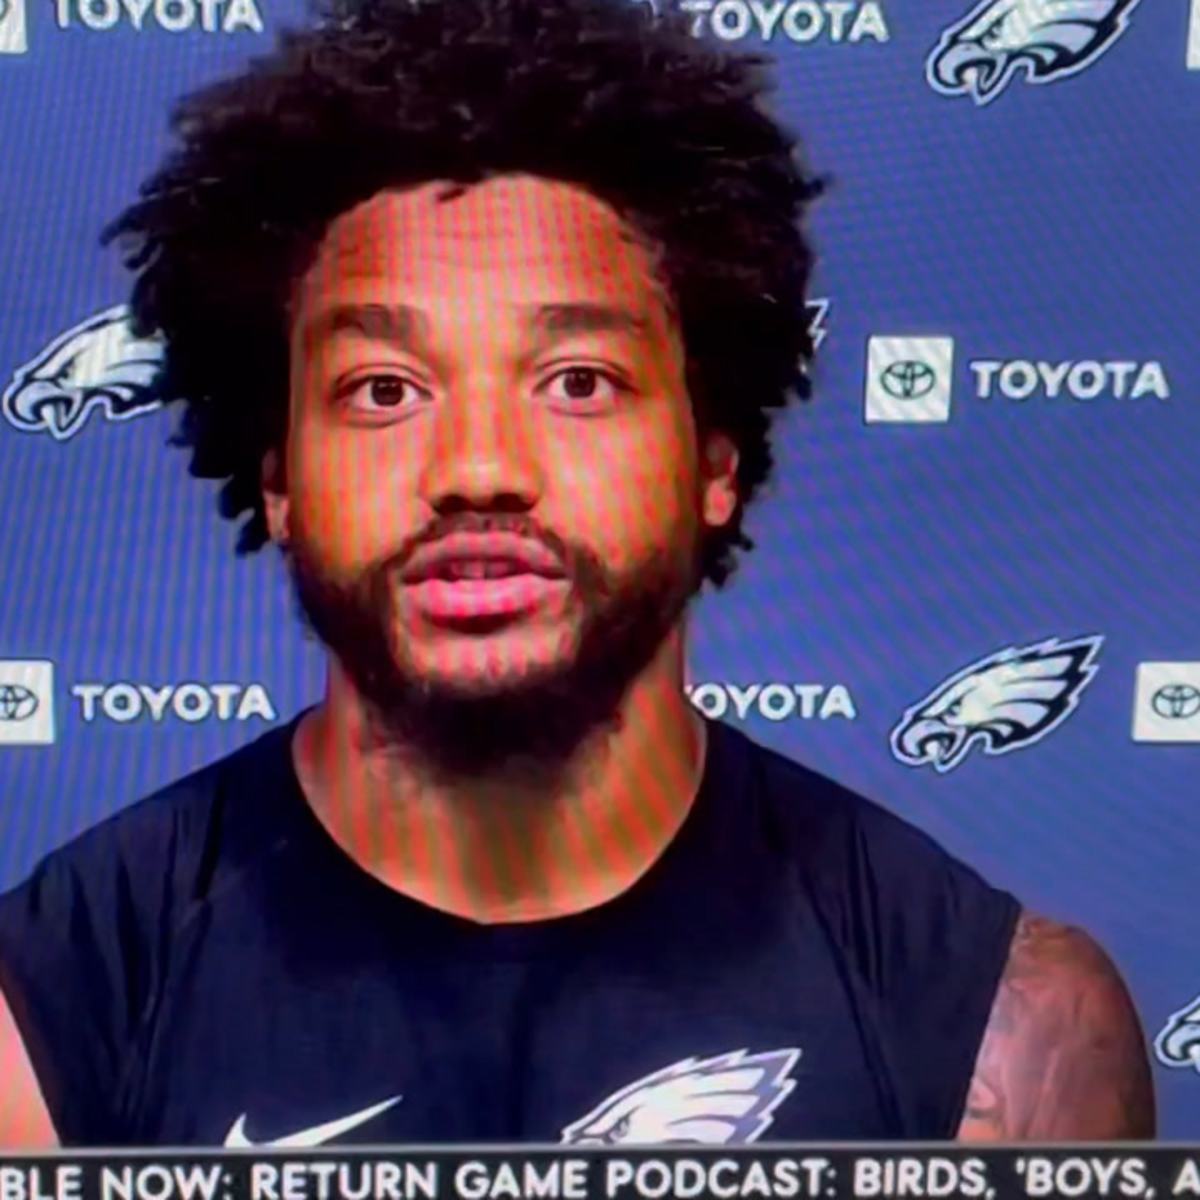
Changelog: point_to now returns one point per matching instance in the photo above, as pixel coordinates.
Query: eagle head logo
(1001, 703)
(1050, 39)
(724, 1100)
(98, 363)
(1178, 1044)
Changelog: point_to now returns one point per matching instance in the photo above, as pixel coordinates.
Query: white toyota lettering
(773, 701)
(191, 702)
(798, 20)
(173, 16)
(1020, 379)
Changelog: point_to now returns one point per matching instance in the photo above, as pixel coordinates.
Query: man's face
(501, 365)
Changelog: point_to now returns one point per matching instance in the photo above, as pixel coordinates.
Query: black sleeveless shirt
(208, 967)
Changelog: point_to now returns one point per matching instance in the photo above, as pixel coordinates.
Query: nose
(483, 453)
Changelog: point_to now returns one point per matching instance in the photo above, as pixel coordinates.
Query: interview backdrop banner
(996, 483)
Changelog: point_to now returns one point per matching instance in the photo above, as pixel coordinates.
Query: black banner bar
(795, 1172)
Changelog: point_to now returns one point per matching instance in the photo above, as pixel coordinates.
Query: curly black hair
(615, 96)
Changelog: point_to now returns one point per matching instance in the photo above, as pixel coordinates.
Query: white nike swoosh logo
(236, 1137)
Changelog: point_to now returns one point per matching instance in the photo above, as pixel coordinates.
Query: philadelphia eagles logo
(97, 364)
(1004, 702)
(1178, 1044)
(724, 1100)
(1048, 39)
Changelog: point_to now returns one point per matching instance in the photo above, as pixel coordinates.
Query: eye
(619, 1130)
(581, 387)
(375, 393)
(993, 35)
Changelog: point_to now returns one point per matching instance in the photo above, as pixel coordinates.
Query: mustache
(575, 559)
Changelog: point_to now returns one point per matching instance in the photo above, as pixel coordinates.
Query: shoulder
(1063, 1054)
(903, 905)
(923, 937)
(85, 938)
(814, 804)
(157, 845)
(839, 835)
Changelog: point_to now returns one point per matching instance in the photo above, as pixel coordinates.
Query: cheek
(636, 491)
(349, 495)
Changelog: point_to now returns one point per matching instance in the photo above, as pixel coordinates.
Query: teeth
(479, 569)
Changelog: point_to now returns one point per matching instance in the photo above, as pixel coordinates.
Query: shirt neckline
(637, 906)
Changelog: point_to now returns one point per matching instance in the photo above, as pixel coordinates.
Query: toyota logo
(908, 380)
(17, 703)
(1176, 701)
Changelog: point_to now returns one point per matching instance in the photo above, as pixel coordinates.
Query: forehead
(517, 234)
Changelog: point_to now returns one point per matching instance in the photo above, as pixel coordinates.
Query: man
(479, 307)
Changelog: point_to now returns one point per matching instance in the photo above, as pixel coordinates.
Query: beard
(539, 715)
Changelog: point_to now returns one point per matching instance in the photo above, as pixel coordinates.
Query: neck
(519, 845)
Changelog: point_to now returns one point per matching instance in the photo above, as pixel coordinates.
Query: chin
(484, 673)
(481, 682)
(505, 656)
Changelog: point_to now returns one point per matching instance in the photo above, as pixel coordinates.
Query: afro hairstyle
(615, 96)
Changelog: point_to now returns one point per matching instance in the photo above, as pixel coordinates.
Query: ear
(275, 497)
(718, 470)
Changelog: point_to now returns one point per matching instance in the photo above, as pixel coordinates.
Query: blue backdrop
(974, 597)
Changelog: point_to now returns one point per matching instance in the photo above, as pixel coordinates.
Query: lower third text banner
(807, 1172)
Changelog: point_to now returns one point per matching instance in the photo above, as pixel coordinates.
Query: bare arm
(1063, 1055)
(24, 1121)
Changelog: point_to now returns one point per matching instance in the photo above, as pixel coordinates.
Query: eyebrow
(555, 320)
(406, 327)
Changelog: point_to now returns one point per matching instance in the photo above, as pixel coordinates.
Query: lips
(469, 600)
(481, 556)
(466, 577)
